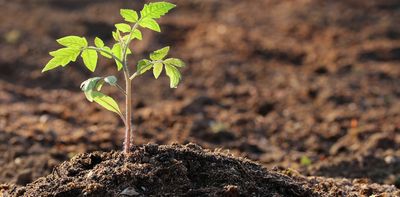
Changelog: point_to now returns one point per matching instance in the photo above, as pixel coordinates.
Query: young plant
(124, 34)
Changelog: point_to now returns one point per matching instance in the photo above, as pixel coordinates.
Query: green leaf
(112, 80)
(173, 74)
(175, 62)
(159, 54)
(124, 28)
(105, 54)
(137, 34)
(117, 51)
(88, 95)
(61, 57)
(90, 59)
(143, 66)
(67, 54)
(98, 42)
(52, 64)
(73, 42)
(129, 15)
(156, 10)
(116, 35)
(105, 101)
(151, 24)
(89, 84)
(157, 69)
(99, 85)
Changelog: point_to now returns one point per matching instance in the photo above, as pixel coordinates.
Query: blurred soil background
(309, 85)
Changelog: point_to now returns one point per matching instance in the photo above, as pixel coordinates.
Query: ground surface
(308, 85)
(182, 171)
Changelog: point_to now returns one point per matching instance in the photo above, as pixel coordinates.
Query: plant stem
(120, 88)
(128, 101)
(128, 111)
(128, 90)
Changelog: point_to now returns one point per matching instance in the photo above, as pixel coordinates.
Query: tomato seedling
(124, 34)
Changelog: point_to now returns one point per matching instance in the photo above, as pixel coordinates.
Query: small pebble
(390, 159)
(129, 191)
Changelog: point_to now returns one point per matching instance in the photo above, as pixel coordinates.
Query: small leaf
(99, 85)
(156, 10)
(143, 66)
(52, 64)
(105, 101)
(98, 42)
(116, 50)
(61, 57)
(73, 42)
(151, 24)
(89, 84)
(124, 28)
(173, 74)
(126, 37)
(129, 15)
(105, 54)
(159, 54)
(175, 62)
(116, 35)
(70, 54)
(90, 59)
(137, 34)
(112, 80)
(88, 95)
(157, 69)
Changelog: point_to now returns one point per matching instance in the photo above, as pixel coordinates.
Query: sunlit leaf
(155, 10)
(73, 42)
(143, 66)
(137, 34)
(175, 62)
(105, 48)
(159, 54)
(150, 24)
(117, 51)
(173, 74)
(124, 28)
(129, 15)
(61, 57)
(98, 42)
(157, 69)
(105, 101)
(90, 59)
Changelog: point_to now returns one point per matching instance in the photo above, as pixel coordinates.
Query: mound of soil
(169, 170)
(180, 170)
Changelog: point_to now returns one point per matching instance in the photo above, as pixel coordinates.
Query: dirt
(168, 170)
(308, 85)
(180, 171)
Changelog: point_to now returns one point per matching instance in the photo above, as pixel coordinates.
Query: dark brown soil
(308, 85)
(167, 170)
(180, 171)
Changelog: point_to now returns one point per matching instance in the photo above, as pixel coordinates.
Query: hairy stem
(128, 90)
(128, 111)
